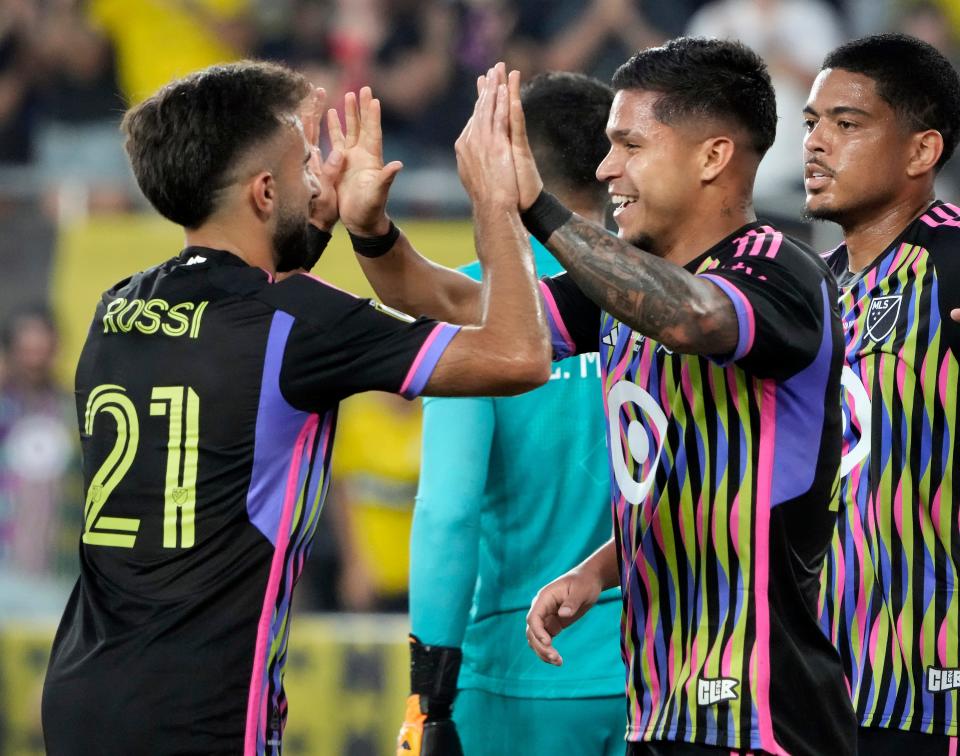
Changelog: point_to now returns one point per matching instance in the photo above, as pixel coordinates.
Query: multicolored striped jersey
(891, 598)
(207, 399)
(724, 474)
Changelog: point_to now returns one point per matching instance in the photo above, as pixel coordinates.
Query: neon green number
(182, 405)
(114, 401)
(180, 494)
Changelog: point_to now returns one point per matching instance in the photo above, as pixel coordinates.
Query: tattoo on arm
(654, 297)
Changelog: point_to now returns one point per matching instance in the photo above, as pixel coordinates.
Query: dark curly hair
(566, 115)
(183, 141)
(911, 76)
(706, 78)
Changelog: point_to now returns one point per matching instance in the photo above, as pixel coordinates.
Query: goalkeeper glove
(428, 729)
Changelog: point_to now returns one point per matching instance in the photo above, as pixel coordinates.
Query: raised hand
(529, 183)
(323, 209)
(484, 156)
(365, 182)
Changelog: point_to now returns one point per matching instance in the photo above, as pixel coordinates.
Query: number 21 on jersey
(182, 406)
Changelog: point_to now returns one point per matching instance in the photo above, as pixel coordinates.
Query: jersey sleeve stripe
(256, 705)
(560, 339)
(745, 317)
(427, 359)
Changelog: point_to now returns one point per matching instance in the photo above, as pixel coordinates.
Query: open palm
(365, 181)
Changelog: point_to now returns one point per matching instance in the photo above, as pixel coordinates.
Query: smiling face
(651, 172)
(856, 151)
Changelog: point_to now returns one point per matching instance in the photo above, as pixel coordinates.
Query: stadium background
(72, 223)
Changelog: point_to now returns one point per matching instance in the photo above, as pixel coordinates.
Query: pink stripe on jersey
(427, 358)
(256, 701)
(765, 463)
(775, 241)
(554, 312)
(745, 316)
(952, 747)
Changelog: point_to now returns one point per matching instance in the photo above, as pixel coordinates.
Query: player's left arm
(444, 554)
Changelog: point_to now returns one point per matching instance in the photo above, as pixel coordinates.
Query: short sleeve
(574, 319)
(940, 235)
(340, 345)
(781, 295)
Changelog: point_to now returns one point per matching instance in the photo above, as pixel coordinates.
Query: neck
(868, 238)
(235, 238)
(694, 238)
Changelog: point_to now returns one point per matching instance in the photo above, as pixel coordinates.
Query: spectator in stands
(79, 155)
(39, 508)
(158, 40)
(792, 36)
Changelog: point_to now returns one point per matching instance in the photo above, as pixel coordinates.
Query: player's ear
(926, 147)
(715, 155)
(263, 194)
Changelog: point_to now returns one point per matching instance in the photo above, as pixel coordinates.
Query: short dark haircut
(566, 116)
(911, 76)
(184, 140)
(706, 79)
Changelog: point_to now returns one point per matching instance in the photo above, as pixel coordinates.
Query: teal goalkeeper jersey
(513, 493)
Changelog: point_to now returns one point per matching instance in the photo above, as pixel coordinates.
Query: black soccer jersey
(723, 481)
(891, 600)
(207, 400)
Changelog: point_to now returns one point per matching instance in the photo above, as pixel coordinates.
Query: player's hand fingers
(501, 116)
(333, 166)
(955, 314)
(337, 139)
(370, 130)
(543, 649)
(351, 117)
(518, 124)
(389, 172)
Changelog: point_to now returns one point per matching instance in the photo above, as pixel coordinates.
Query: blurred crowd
(69, 68)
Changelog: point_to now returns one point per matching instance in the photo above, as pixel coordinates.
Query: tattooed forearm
(655, 297)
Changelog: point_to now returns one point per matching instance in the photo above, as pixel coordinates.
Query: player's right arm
(508, 349)
(561, 603)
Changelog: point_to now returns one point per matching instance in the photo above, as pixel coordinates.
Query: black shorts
(882, 741)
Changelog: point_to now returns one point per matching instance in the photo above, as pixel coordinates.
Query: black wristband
(317, 241)
(433, 676)
(375, 246)
(545, 216)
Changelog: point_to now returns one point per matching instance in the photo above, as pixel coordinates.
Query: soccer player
(499, 478)
(207, 400)
(882, 119)
(720, 353)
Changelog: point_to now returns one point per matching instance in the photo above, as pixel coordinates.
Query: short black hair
(706, 78)
(911, 76)
(566, 116)
(183, 141)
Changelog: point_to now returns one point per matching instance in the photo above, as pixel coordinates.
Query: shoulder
(308, 298)
(768, 246)
(938, 226)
